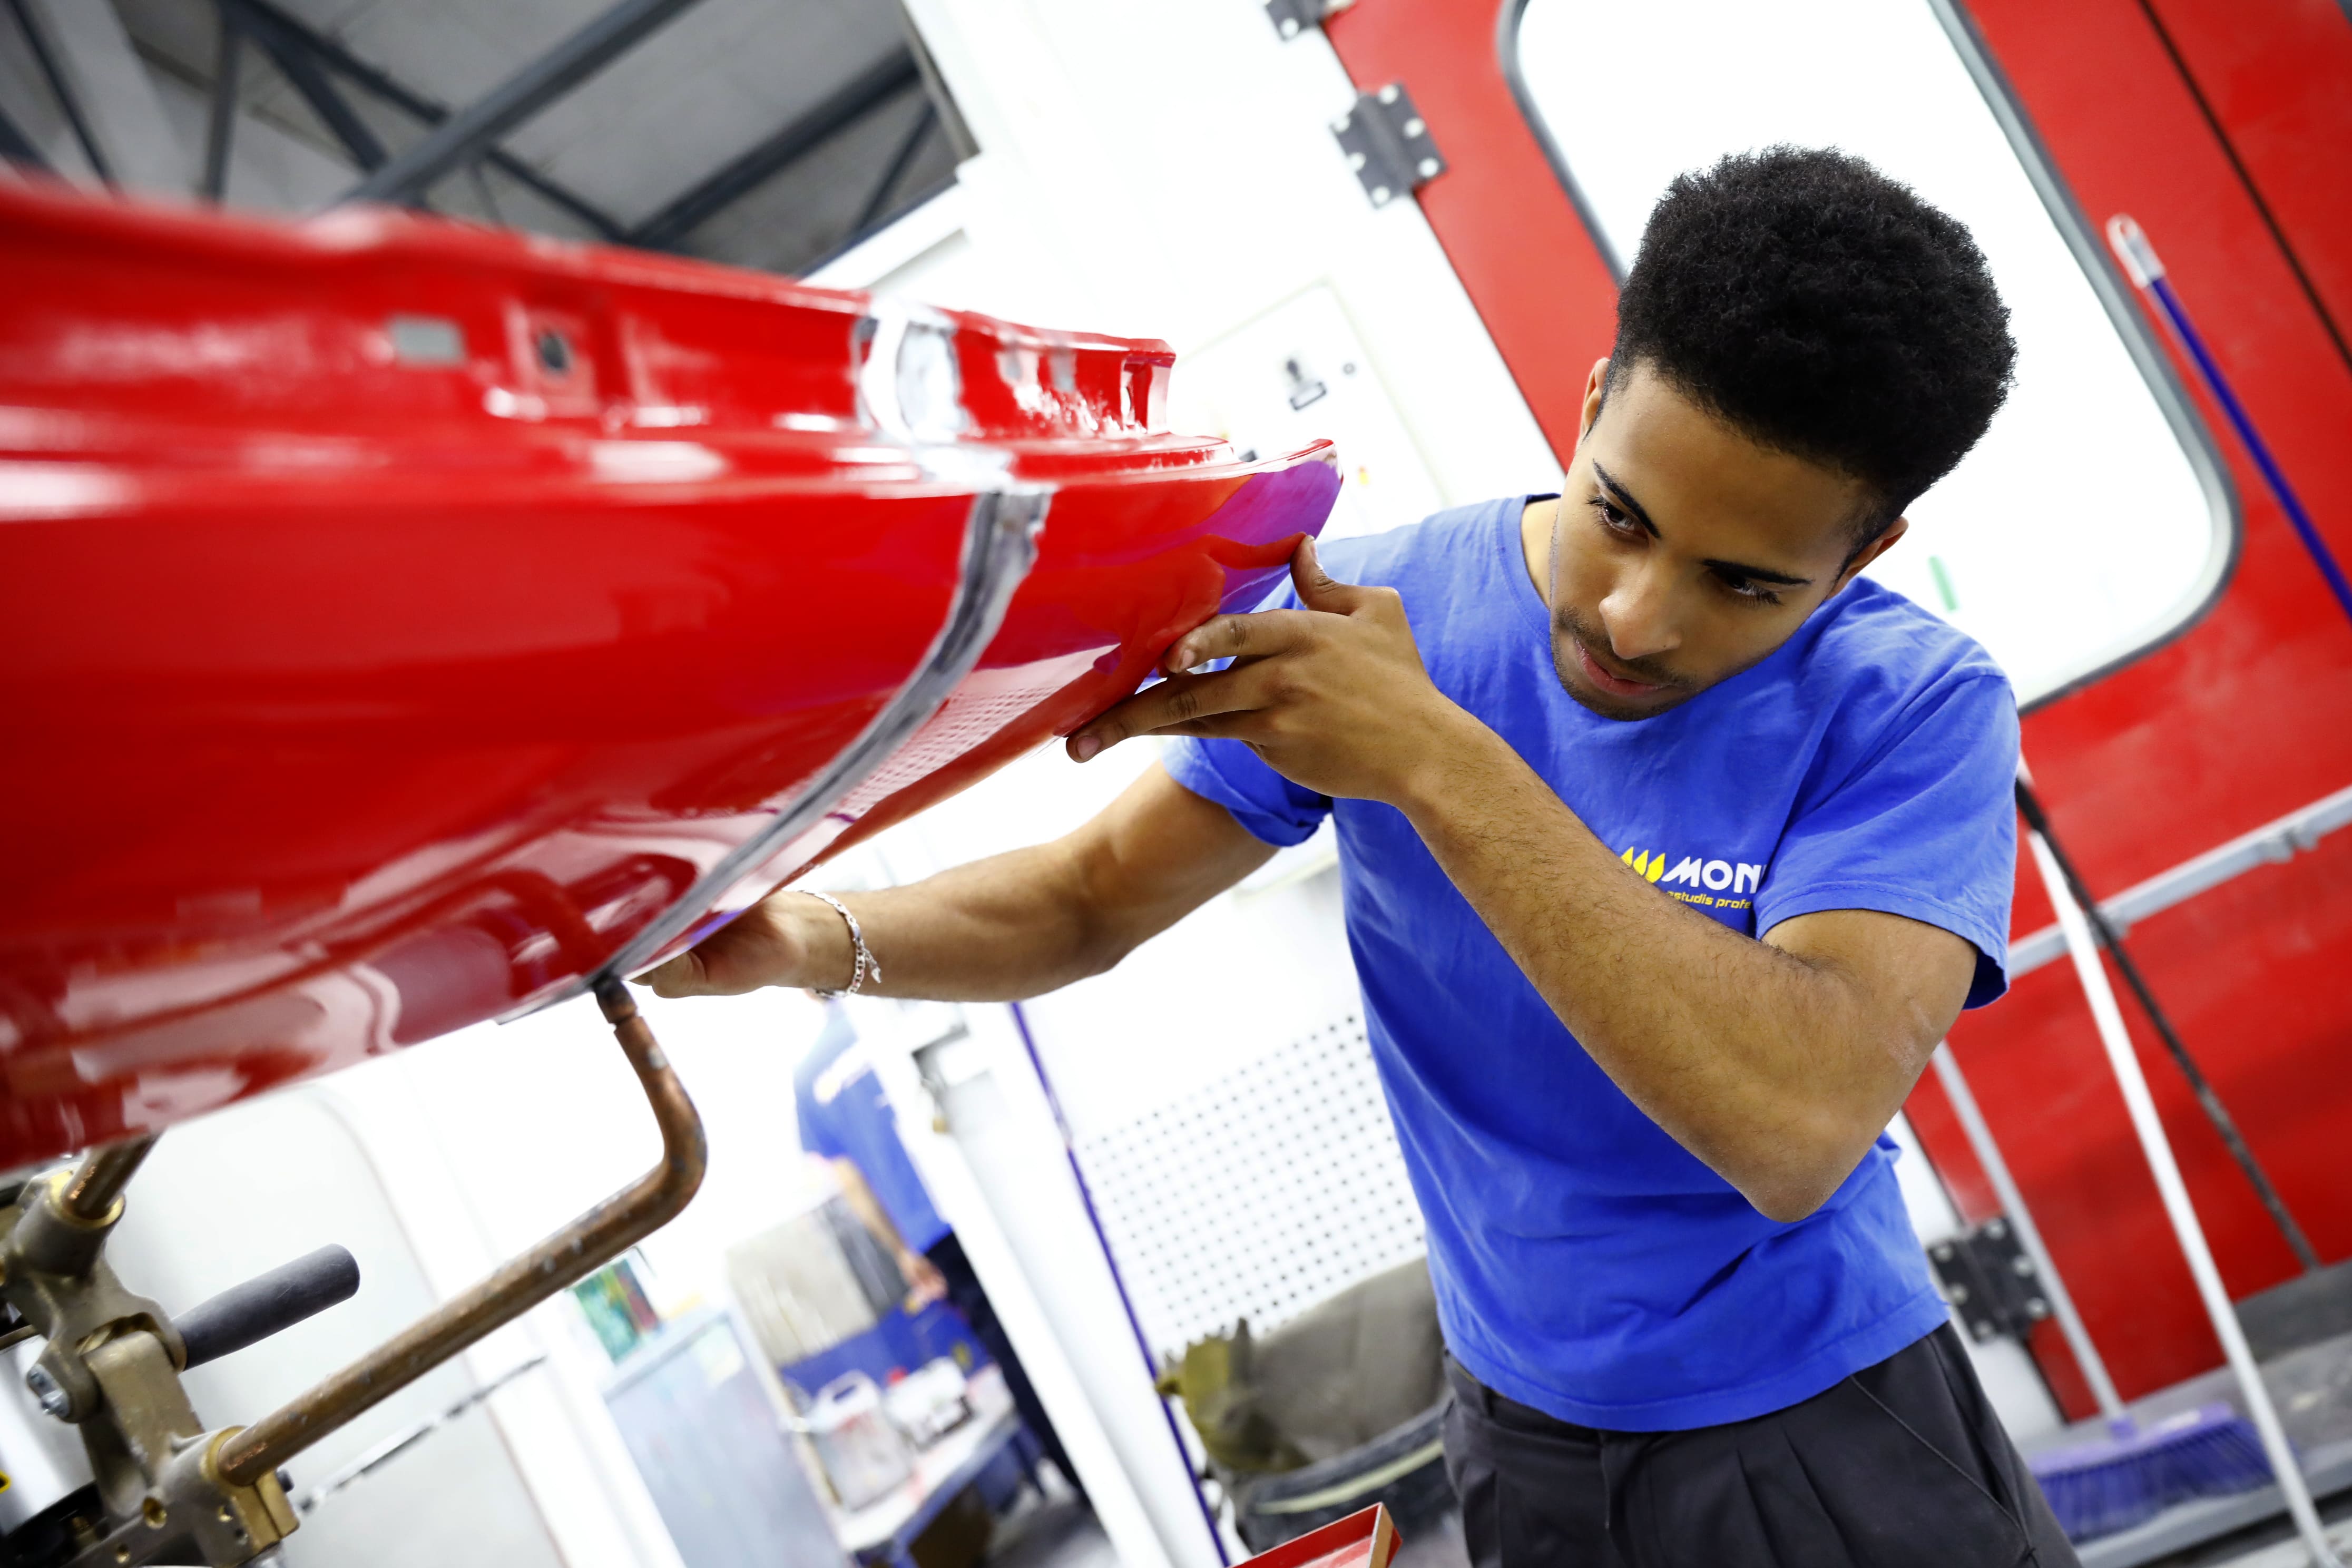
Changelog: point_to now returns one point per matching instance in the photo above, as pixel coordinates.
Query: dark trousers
(1904, 1464)
(965, 1295)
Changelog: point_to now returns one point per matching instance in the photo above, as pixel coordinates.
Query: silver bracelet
(866, 968)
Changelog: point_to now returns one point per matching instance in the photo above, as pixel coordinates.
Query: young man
(1671, 850)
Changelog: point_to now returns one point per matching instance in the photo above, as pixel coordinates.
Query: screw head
(44, 1388)
(554, 353)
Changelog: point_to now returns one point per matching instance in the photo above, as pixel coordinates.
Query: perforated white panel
(1259, 1195)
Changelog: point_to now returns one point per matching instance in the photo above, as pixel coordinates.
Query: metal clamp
(1991, 1282)
(1292, 17)
(1388, 144)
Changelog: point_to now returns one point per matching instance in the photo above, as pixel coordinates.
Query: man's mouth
(1614, 685)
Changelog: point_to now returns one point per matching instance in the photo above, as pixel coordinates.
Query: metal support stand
(171, 1490)
(570, 1255)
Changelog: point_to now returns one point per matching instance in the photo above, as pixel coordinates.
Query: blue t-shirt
(843, 1111)
(1586, 1263)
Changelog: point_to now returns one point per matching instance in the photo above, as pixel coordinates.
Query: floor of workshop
(2273, 1544)
(1062, 1533)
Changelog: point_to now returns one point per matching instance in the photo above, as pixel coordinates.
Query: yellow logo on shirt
(1704, 879)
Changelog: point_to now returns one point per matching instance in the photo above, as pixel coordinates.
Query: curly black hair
(1824, 311)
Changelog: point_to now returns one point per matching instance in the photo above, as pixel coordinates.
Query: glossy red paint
(2239, 721)
(1366, 1539)
(397, 619)
(2280, 84)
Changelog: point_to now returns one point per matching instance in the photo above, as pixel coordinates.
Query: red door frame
(2208, 123)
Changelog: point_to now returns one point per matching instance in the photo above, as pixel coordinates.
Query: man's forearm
(998, 930)
(1757, 1061)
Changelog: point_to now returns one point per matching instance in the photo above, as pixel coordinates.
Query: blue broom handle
(2140, 259)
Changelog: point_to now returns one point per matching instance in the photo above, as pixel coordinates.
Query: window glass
(2091, 521)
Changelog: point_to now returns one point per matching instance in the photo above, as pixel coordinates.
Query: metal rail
(568, 1255)
(2275, 843)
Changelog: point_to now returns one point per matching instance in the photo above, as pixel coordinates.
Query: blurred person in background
(846, 1122)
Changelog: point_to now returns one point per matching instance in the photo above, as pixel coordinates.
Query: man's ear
(1873, 551)
(1596, 390)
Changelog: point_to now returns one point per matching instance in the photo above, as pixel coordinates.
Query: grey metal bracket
(1991, 1282)
(1388, 144)
(1292, 17)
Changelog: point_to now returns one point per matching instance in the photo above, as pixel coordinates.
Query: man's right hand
(787, 939)
(1001, 929)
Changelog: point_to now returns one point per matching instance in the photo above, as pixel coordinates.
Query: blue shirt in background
(1586, 1264)
(842, 1112)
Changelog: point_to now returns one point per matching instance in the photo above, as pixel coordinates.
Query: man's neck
(1535, 524)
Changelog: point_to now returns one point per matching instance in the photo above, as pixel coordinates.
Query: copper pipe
(570, 1255)
(90, 1193)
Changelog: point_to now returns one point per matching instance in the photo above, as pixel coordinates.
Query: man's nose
(1638, 615)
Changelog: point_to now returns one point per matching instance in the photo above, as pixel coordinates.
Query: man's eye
(1748, 588)
(1612, 518)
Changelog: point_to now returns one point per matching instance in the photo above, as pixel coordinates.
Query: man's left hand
(924, 1283)
(1332, 695)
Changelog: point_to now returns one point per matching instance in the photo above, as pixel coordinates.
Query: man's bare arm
(1776, 1062)
(1001, 929)
(924, 1283)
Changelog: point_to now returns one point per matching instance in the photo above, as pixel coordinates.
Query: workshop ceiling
(765, 133)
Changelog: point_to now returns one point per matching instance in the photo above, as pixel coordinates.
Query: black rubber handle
(243, 1314)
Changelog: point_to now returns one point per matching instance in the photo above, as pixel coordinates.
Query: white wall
(1164, 171)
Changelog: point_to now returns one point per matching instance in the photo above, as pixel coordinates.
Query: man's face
(1680, 551)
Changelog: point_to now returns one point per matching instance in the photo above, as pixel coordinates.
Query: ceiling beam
(220, 125)
(302, 71)
(888, 78)
(62, 90)
(112, 93)
(417, 106)
(470, 132)
(883, 188)
(17, 147)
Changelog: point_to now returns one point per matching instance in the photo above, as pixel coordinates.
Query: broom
(2203, 1451)
(2135, 1473)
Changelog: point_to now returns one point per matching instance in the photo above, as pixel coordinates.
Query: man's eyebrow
(1624, 498)
(1755, 574)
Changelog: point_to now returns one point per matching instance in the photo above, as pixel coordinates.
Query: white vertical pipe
(2029, 1236)
(2158, 1149)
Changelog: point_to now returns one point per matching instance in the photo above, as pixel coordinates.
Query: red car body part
(401, 622)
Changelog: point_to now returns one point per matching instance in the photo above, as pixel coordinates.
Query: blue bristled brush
(2099, 1488)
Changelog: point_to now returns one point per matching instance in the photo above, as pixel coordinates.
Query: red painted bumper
(400, 622)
